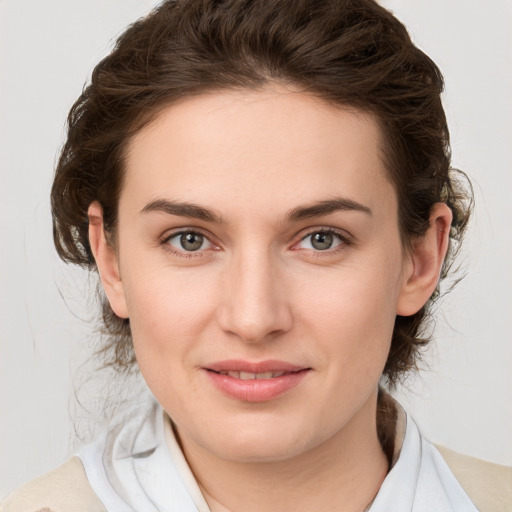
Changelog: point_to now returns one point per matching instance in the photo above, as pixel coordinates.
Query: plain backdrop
(48, 49)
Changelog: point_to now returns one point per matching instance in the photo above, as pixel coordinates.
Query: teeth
(252, 376)
(264, 375)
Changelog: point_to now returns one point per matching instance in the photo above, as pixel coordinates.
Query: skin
(258, 289)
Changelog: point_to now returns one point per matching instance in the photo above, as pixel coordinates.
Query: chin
(260, 438)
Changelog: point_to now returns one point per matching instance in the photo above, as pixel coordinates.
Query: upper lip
(236, 365)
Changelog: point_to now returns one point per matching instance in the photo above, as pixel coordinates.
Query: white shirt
(137, 465)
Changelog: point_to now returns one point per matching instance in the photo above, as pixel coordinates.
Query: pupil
(322, 241)
(191, 241)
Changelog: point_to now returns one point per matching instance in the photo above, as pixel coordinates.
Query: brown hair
(347, 52)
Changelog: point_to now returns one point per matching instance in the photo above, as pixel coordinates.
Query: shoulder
(488, 485)
(63, 489)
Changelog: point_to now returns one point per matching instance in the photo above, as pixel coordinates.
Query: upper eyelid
(167, 235)
(344, 235)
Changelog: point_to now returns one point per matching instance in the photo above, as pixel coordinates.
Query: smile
(255, 382)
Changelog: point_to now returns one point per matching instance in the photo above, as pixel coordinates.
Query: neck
(344, 472)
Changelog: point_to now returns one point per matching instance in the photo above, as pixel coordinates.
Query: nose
(254, 306)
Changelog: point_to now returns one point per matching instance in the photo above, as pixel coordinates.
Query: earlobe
(106, 261)
(426, 258)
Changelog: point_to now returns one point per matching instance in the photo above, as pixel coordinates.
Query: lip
(255, 390)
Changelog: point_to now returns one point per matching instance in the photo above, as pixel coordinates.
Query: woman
(265, 191)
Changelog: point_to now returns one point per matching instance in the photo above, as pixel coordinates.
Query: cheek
(352, 312)
(169, 309)
(167, 317)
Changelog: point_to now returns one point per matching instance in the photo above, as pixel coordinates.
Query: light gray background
(49, 47)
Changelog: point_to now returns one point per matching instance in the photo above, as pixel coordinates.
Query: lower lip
(256, 390)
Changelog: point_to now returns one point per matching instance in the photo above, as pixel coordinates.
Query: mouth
(255, 382)
(254, 376)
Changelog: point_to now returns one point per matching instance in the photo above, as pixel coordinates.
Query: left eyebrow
(326, 207)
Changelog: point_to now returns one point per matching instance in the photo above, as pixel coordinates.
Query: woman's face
(261, 267)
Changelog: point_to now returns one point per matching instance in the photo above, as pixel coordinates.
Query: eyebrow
(195, 211)
(326, 207)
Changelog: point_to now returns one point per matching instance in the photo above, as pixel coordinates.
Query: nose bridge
(254, 304)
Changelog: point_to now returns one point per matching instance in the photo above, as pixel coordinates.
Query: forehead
(251, 148)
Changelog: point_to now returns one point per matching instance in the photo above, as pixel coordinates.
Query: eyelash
(164, 241)
(342, 238)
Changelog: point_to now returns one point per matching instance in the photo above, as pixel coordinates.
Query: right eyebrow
(191, 210)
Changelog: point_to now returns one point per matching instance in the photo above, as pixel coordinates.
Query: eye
(322, 240)
(188, 241)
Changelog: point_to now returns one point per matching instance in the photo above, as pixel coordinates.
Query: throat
(349, 482)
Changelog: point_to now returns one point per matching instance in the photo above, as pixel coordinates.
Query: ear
(425, 260)
(106, 261)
